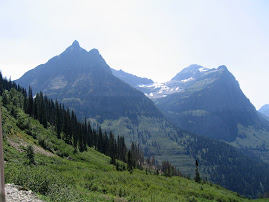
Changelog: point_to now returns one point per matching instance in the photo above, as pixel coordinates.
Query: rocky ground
(15, 193)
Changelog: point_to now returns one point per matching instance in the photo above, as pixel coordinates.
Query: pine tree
(30, 102)
(130, 166)
(90, 135)
(197, 175)
(30, 154)
(58, 120)
(100, 140)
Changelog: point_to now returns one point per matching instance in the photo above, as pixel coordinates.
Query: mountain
(213, 105)
(82, 81)
(264, 110)
(131, 79)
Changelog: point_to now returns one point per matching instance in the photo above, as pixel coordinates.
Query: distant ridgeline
(76, 133)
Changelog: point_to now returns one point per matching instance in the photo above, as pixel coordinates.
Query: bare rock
(15, 193)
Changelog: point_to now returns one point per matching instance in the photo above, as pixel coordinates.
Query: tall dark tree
(197, 175)
(100, 140)
(30, 102)
(130, 165)
(58, 120)
(89, 135)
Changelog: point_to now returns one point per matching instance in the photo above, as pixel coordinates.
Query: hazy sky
(149, 38)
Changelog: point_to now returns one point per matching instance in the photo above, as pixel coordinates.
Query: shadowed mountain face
(84, 82)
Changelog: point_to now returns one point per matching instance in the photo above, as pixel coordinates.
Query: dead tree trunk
(2, 182)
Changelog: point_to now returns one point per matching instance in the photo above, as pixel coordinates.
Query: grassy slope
(157, 138)
(88, 176)
(254, 140)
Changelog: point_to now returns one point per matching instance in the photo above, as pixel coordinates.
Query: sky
(149, 38)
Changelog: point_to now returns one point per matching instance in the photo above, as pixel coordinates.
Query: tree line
(77, 133)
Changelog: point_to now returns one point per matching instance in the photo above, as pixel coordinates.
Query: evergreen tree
(89, 135)
(197, 175)
(58, 120)
(130, 165)
(100, 140)
(30, 102)
(30, 154)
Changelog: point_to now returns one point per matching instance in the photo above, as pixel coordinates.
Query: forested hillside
(58, 169)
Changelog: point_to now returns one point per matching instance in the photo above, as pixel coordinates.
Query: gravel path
(15, 193)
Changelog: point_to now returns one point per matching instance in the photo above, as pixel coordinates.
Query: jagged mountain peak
(74, 48)
(62, 70)
(76, 57)
(75, 43)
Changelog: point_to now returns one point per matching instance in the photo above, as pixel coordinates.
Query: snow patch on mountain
(181, 81)
(203, 69)
(186, 80)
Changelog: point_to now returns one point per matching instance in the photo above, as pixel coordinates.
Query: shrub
(30, 154)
